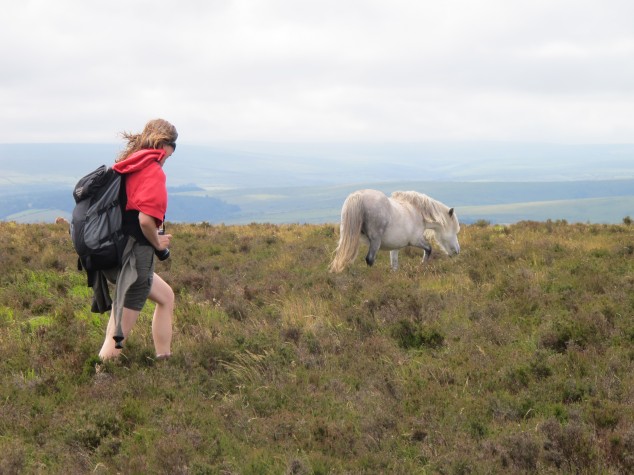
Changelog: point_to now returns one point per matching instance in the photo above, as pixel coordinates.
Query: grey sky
(328, 70)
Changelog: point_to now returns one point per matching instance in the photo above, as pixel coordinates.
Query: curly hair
(157, 132)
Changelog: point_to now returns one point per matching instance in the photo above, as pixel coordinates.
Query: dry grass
(514, 357)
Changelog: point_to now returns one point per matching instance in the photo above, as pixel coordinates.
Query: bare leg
(160, 293)
(394, 259)
(163, 295)
(128, 319)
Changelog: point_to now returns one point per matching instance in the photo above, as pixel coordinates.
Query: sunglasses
(172, 144)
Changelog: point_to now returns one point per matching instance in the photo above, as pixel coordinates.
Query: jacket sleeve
(101, 301)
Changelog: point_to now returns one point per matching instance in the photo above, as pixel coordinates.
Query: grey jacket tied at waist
(127, 275)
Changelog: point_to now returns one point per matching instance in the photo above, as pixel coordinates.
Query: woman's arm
(150, 231)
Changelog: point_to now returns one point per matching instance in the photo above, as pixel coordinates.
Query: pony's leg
(426, 247)
(375, 244)
(426, 253)
(394, 259)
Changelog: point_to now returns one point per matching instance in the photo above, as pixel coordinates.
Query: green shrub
(410, 336)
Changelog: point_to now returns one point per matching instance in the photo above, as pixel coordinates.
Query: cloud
(295, 70)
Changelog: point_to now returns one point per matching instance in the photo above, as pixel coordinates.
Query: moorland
(517, 356)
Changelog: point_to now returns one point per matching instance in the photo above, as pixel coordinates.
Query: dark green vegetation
(515, 357)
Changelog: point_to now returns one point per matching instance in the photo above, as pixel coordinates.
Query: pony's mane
(432, 210)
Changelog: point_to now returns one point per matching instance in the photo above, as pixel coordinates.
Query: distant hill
(595, 202)
(280, 183)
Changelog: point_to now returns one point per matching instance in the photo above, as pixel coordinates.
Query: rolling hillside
(513, 357)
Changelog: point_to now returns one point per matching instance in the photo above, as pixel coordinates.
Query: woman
(141, 163)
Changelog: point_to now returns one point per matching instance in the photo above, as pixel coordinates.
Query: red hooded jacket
(145, 182)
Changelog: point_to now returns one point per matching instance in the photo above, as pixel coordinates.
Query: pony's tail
(350, 231)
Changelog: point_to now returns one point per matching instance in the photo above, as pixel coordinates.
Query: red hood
(139, 160)
(145, 182)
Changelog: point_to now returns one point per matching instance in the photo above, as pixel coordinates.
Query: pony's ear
(451, 212)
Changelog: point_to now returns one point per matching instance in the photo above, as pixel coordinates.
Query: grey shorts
(139, 291)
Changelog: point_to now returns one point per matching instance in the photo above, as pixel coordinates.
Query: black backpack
(95, 227)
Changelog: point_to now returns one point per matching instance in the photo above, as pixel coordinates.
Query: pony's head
(445, 232)
(441, 222)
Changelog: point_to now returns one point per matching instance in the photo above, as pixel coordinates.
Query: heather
(516, 356)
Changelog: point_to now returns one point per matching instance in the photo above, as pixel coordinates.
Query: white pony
(407, 218)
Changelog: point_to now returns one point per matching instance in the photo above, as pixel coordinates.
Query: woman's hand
(164, 241)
